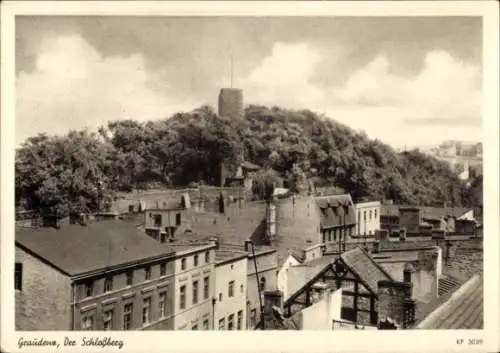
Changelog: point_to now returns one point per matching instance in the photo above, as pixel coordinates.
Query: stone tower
(231, 103)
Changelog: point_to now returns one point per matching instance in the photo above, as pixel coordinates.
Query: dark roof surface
(360, 262)
(332, 210)
(462, 309)
(77, 249)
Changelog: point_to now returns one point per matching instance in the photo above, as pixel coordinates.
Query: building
(322, 315)
(367, 218)
(261, 276)
(230, 301)
(421, 220)
(338, 217)
(97, 275)
(168, 222)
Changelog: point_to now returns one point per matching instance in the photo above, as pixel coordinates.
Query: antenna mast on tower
(231, 70)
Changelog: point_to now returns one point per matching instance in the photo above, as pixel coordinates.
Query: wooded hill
(81, 168)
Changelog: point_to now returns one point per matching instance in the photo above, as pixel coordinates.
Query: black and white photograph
(248, 173)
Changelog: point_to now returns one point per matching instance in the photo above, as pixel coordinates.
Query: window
(195, 292)
(146, 311)
(222, 324)
(183, 297)
(162, 304)
(196, 260)
(178, 219)
(206, 286)
(230, 289)
(157, 220)
(88, 322)
(108, 320)
(240, 320)
(108, 284)
(194, 328)
(163, 269)
(147, 273)
(262, 284)
(375, 214)
(230, 320)
(205, 325)
(207, 257)
(130, 278)
(364, 215)
(127, 316)
(183, 264)
(370, 214)
(163, 237)
(220, 297)
(241, 288)
(89, 289)
(253, 318)
(18, 276)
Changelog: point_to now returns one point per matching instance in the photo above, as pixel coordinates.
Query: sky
(403, 80)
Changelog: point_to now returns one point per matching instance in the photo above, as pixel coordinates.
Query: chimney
(408, 272)
(248, 245)
(273, 299)
(382, 236)
(216, 242)
(402, 234)
(394, 303)
(51, 220)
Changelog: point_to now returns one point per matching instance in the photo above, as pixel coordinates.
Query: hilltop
(82, 168)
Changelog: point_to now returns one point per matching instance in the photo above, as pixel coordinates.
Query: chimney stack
(248, 245)
(395, 304)
(273, 299)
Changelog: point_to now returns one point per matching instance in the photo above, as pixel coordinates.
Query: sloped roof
(77, 249)
(332, 210)
(462, 309)
(360, 262)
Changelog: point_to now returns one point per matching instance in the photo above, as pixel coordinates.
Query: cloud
(73, 86)
(285, 77)
(442, 100)
(445, 90)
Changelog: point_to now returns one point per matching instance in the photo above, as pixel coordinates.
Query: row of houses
(107, 274)
(172, 265)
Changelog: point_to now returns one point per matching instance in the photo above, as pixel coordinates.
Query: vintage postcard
(323, 171)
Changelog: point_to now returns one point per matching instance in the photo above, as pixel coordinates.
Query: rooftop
(360, 262)
(332, 210)
(76, 249)
(461, 309)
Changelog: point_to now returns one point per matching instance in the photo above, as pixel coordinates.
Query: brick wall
(45, 300)
(390, 300)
